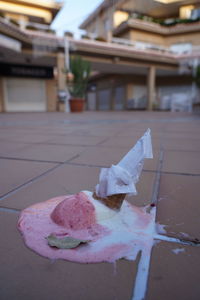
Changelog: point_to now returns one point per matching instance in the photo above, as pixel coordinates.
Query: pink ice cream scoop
(75, 212)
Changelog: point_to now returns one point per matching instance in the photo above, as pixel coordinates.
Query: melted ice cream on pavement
(110, 233)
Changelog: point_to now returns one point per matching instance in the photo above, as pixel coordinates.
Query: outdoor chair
(165, 102)
(181, 102)
(137, 103)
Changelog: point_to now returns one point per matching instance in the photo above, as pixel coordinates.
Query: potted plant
(77, 80)
(68, 34)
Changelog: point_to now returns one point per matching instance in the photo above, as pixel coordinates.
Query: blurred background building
(154, 49)
(29, 55)
(143, 54)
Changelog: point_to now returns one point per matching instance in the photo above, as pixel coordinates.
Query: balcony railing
(161, 49)
(26, 25)
(141, 46)
(149, 25)
(10, 43)
(165, 22)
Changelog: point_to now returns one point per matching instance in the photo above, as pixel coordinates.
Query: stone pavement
(43, 155)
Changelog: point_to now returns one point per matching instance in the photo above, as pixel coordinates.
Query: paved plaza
(43, 155)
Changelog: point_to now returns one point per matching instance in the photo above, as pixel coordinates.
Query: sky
(72, 15)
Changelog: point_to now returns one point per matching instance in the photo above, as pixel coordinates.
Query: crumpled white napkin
(121, 178)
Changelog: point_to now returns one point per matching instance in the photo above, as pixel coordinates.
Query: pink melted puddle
(112, 234)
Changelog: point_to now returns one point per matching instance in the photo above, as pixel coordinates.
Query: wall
(136, 91)
(119, 17)
(117, 86)
(18, 8)
(157, 39)
(51, 94)
(135, 87)
(126, 35)
(151, 38)
(117, 80)
(185, 11)
(193, 38)
(174, 80)
(24, 94)
(97, 26)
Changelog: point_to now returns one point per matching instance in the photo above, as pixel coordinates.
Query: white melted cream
(102, 212)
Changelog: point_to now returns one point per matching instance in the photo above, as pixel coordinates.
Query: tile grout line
(178, 240)
(96, 122)
(10, 210)
(142, 276)
(34, 179)
(141, 279)
(32, 160)
(27, 183)
(103, 141)
(144, 170)
(70, 162)
(154, 198)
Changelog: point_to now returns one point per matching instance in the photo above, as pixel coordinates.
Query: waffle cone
(114, 201)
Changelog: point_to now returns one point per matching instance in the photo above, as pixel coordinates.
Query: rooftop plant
(164, 22)
(100, 39)
(2, 15)
(69, 34)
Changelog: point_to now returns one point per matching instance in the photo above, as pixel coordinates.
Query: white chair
(165, 102)
(181, 102)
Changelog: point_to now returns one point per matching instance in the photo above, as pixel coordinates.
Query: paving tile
(53, 130)
(66, 129)
(174, 276)
(15, 173)
(139, 129)
(144, 189)
(136, 133)
(181, 162)
(7, 134)
(189, 127)
(80, 131)
(106, 156)
(102, 131)
(8, 147)
(178, 205)
(181, 144)
(129, 142)
(54, 153)
(123, 140)
(29, 137)
(26, 275)
(101, 156)
(77, 140)
(183, 135)
(66, 179)
(69, 179)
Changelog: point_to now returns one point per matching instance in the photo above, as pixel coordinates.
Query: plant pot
(76, 104)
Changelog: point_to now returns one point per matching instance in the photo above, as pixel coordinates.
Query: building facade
(164, 30)
(31, 56)
(141, 53)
